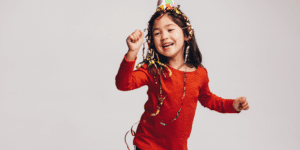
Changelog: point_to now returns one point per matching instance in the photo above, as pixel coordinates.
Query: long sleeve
(213, 102)
(127, 79)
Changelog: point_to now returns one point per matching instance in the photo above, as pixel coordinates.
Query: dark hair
(194, 56)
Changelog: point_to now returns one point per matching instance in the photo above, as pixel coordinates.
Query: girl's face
(168, 37)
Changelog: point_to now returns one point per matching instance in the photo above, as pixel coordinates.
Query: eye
(156, 33)
(170, 30)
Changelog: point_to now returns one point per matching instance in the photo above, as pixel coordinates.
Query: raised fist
(240, 104)
(135, 40)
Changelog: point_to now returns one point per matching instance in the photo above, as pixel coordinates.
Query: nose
(164, 36)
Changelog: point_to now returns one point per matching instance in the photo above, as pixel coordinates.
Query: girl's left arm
(213, 102)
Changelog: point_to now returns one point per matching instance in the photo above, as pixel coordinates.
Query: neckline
(182, 71)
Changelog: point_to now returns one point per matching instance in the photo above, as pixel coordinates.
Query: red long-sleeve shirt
(150, 134)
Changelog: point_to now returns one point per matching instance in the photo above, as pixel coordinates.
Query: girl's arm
(213, 102)
(127, 79)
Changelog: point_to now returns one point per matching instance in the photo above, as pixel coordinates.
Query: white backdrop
(59, 58)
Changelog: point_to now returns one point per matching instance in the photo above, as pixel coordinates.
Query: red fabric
(151, 135)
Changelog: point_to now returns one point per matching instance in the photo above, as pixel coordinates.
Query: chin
(166, 53)
(169, 55)
(172, 53)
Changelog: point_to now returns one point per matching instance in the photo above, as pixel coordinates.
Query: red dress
(151, 134)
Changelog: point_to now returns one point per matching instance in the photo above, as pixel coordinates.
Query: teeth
(166, 45)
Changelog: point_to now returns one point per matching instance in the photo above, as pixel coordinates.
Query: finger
(239, 100)
(136, 36)
(141, 33)
(139, 37)
(246, 107)
(245, 104)
(133, 32)
(128, 39)
(131, 38)
(138, 33)
(243, 107)
(242, 100)
(132, 35)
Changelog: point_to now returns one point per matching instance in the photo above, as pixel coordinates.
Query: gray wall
(59, 58)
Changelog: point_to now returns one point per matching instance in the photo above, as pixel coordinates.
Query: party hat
(165, 5)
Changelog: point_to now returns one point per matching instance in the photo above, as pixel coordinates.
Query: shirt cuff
(127, 64)
(230, 106)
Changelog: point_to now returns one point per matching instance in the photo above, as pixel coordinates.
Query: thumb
(141, 33)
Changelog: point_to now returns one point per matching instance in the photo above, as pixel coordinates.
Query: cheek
(156, 42)
(178, 35)
(179, 38)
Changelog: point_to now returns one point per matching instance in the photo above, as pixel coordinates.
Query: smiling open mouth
(167, 45)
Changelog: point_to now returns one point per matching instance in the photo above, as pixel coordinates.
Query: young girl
(175, 77)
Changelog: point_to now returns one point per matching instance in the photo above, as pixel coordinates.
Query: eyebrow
(171, 24)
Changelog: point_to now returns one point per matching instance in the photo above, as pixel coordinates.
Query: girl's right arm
(127, 79)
